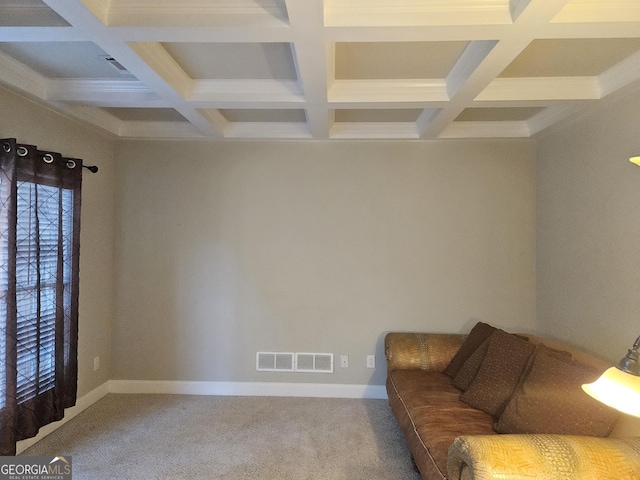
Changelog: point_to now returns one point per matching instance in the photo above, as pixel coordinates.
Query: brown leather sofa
(558, 434)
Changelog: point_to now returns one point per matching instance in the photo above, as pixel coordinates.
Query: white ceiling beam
(309, 50)
(535, 15)
(216, 119)
(155, 56)
(467, 63)
(133, 57)
(133, 31)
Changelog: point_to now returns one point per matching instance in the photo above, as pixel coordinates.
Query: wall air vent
(274, 362)
(314, 362)
(294, 362)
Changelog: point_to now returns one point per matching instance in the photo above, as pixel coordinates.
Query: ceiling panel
(264, 115)
(377, 115)
(19, 13)
(594, 11)
(145, 114)
(64, 59)
(234, 60)
(571, 57)
(321, 70)
(192, 13)
(377, 60)
(497, 114)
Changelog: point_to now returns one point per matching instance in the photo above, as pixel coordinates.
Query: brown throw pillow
(498, 375)
(469, 370)
(478, 334)
(550, 400)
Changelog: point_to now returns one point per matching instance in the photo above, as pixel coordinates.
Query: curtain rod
(91, 168)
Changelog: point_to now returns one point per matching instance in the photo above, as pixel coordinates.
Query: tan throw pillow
(499, 373)
(550, 400)
(478, 334)
(469, 370)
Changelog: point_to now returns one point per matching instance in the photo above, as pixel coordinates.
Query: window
(36, 283)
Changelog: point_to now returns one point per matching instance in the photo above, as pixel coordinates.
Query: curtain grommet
(71, 164)
(22, 151)
(48, 158)
(6, 147)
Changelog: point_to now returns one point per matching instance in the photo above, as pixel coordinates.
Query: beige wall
(230, 248)
(32, 124)
(224, 249)
(588, 229)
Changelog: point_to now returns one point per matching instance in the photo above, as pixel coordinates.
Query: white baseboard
(242, 389)
(249, 389)
(82, 404)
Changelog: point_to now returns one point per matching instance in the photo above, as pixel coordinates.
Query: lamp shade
(617, 389)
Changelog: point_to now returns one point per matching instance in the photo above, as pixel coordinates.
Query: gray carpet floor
(233, 438)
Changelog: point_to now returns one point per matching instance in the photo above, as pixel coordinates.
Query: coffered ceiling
(314, 69)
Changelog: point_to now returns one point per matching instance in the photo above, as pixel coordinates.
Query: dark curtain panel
(39, 255)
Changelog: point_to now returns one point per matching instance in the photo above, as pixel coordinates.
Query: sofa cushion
(499, 373)
(431, 416)
(549, 399)
(478, 334)
(469, 370)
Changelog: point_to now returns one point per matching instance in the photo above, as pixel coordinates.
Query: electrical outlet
(371, 361)
(344, 361)
(96, 363)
